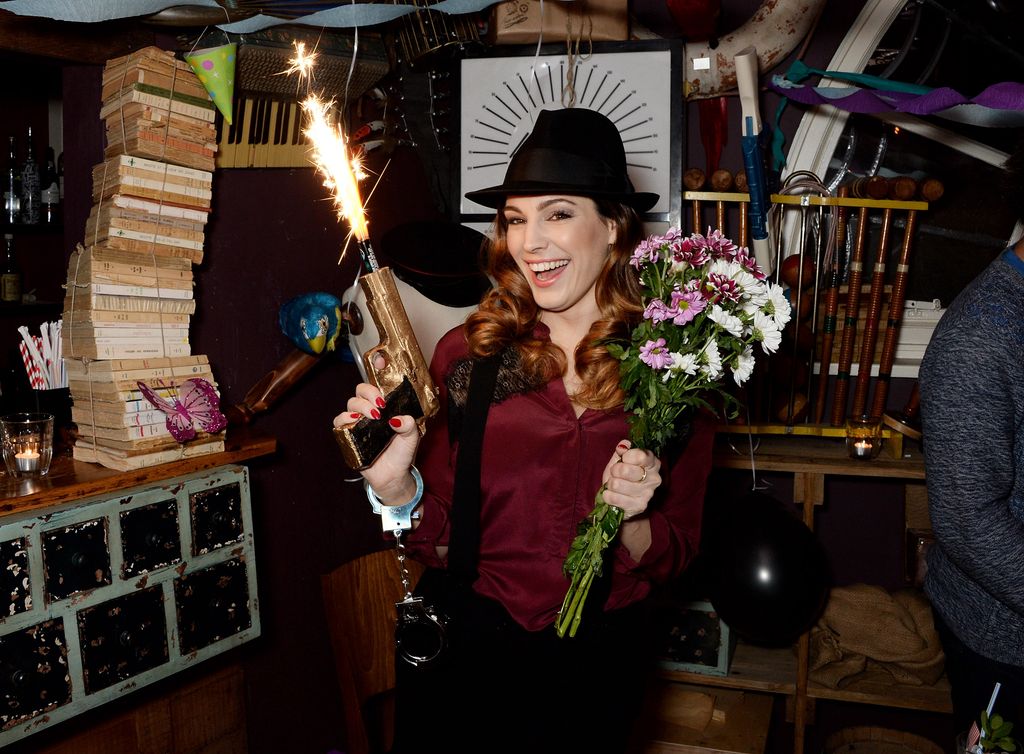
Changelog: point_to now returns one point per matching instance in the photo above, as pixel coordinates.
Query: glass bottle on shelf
(30, 190)
(50, 194)
(12, 187)
(10, 274)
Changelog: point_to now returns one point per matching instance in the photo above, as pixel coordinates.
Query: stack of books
(129, 295)
(117, 426)
(149, 206)
(125, 305)
(155, 106)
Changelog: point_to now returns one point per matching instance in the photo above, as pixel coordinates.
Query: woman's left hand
(631, 477)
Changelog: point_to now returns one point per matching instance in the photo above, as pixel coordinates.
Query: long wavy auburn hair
(508, 314)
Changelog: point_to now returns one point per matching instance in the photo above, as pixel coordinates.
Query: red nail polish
(381, 403)
(396, 423)
(374, 413)
(354, 415)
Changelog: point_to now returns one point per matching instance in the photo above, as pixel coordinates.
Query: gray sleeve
(970, 411)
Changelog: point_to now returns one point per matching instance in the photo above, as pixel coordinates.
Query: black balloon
(765, 571)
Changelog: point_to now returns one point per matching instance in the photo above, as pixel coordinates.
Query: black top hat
(570, 151)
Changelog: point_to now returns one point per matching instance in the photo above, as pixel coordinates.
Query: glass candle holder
(863, 438)
(27, 444)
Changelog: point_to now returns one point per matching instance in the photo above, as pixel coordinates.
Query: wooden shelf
(810, 455)
(70, 481)
(774, 670)
(752, 669)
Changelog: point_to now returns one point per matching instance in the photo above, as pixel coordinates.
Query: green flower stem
(584, 562)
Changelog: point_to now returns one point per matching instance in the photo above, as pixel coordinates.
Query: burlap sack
(866, 632)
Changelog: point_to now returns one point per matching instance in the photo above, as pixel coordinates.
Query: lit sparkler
(341, 169)
(302, 63)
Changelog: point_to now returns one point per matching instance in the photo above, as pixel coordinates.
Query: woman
(566, 226)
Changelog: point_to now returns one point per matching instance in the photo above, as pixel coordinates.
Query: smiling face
(560, 244)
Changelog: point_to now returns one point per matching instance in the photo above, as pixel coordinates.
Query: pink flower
(719, 287)
(690, 250)
(720, 246)
(646, 252)
(687, 305)
(656, 311)
(654, 355)
(744, 257)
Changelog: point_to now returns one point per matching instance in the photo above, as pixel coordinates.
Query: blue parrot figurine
(312, 321)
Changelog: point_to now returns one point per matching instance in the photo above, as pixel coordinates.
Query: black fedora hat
(571, 151)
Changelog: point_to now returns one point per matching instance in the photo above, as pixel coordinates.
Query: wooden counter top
(71, 480)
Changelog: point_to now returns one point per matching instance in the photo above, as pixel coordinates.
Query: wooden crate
(684, 719)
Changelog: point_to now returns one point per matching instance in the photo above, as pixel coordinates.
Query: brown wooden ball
(790, 271)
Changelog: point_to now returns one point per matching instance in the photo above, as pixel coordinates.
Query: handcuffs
(421, 635)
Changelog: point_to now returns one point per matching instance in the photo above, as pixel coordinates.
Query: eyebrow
(544, 205)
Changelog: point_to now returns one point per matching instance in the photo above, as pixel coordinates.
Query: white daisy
(729, 322)
(711, 360)
(767, 332)
(744, 366)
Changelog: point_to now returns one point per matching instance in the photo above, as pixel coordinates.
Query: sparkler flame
(302, 63)
(341, 169)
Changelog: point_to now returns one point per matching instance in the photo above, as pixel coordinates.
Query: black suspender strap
(464, 539)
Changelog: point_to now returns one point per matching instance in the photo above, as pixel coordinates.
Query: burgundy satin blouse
(541, 467)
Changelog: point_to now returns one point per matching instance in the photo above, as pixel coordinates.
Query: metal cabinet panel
(109, 594)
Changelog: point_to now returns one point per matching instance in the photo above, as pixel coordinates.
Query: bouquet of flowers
(706, 305)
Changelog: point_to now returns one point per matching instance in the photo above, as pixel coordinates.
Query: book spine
(98, 316)
(120, 365)
(157, 209)
(115, 234)
(116, 278)
(179, 104)
(104, 419)
(126, 219)
(134, 263)
(163, 170)
(129, 304)
(115, 289)
(118, 351)
(100, 334)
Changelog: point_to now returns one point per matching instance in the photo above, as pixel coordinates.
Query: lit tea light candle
(862, 448)
(27, 460)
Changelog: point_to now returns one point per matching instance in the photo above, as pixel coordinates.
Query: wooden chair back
(359, 600)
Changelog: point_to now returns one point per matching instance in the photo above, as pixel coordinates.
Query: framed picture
(636, 84)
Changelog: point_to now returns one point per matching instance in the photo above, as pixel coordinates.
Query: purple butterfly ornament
(195, 403)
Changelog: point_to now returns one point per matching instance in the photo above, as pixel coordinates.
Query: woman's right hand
(389, 474)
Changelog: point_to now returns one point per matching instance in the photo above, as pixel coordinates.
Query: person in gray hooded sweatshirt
(972, 413)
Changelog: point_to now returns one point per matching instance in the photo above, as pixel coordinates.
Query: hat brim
(494, 196)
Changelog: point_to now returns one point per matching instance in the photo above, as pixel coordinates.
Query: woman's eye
(561, 214)
(513, 220)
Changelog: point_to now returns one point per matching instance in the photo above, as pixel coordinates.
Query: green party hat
(215, 67)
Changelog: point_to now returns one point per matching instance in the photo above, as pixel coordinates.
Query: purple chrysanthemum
(654, 355)
(657, 311)
(687, 305)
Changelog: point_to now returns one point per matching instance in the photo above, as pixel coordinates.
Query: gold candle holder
(863, 438)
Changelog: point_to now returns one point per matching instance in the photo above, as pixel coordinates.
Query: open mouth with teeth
(548, 270)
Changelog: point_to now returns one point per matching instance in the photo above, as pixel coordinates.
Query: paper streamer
(343, 17)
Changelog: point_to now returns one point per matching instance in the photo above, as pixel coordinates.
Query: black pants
(973, 677)
(506, 689)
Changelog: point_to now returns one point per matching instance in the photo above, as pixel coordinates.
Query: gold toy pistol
(395, 365)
